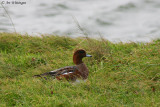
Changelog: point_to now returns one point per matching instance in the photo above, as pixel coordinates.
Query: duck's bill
(88, 55)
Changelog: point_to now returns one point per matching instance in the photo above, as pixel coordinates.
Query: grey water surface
(115, 20)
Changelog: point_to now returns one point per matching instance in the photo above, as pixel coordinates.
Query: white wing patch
(53, 71)
(67, 73)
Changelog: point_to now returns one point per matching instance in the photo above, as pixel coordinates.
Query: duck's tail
(46, 74)
(37, 76)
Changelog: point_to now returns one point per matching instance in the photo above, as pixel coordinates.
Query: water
(115, 20)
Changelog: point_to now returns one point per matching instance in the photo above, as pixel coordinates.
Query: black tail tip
(37, 76)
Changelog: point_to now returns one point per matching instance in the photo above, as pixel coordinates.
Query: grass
(121, 74)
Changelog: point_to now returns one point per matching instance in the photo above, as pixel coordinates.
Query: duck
(71, 73)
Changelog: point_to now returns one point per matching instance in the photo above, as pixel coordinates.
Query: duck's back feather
(62, 71)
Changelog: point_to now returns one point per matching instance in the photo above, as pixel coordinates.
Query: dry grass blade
(79, 26)
(9, 17)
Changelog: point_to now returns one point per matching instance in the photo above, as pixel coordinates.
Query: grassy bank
(122, 74)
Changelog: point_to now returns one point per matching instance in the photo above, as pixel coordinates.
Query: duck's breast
(84, 70)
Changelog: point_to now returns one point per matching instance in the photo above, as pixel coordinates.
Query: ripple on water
(127, 7)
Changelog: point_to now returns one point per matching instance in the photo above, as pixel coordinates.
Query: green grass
(121, 74)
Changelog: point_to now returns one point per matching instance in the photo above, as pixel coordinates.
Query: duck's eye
(81, 52)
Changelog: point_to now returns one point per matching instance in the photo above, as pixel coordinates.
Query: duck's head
(78, 55)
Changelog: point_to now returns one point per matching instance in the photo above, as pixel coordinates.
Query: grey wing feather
(59, 71)
(63, 70)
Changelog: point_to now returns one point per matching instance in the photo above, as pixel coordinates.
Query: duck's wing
(65, 70)
(61, 71)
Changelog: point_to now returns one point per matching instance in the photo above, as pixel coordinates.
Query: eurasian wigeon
(79, 71)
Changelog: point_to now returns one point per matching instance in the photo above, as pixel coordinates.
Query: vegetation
(121, 74)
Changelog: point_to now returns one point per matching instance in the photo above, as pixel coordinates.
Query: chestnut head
(78, 55)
